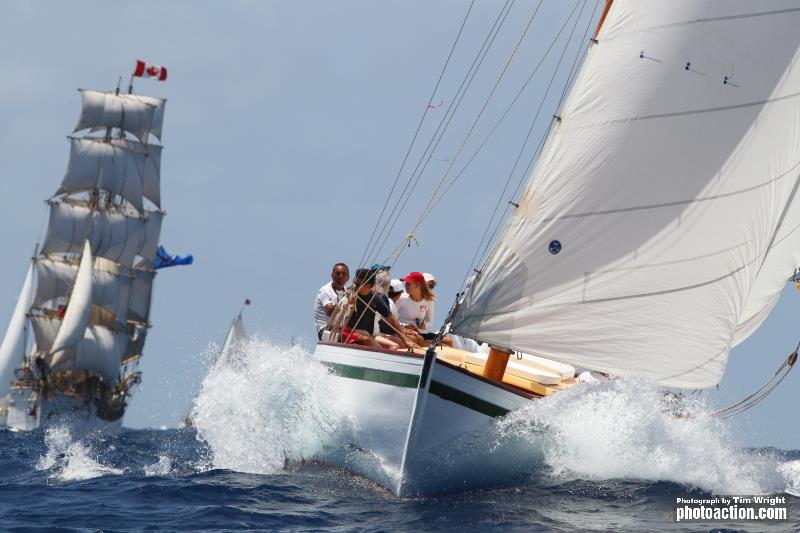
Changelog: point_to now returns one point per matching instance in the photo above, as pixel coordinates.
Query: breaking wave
(162, 468)
(69, 459)
(264, 406)
(621, 430)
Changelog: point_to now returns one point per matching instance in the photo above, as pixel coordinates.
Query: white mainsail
(79, 308)
(659, 223)
(12, 350)
(139, 115)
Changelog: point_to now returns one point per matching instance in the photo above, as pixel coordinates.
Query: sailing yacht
(656, 232)
(73, 344)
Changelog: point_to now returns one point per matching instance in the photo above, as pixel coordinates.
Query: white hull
(25, 415)
(421, 425)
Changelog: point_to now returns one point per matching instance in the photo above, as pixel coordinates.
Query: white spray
(267, 405)
(621, 430)
(70, 459)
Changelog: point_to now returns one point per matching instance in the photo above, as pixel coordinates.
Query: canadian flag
(145, 70)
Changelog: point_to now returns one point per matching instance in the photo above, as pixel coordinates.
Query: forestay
(659, 225)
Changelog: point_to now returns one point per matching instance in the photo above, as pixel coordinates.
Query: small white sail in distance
(76, 317)
(233, 340)
(12, 350)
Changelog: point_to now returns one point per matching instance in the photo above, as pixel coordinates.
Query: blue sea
(248, 466)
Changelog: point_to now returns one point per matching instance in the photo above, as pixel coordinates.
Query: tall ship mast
(74, 342)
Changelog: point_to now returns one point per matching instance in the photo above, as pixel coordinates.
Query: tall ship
(73, 345)
(656, 231)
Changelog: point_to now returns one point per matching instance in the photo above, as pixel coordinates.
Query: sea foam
(264, 406)
(70, 459)
(628, 429)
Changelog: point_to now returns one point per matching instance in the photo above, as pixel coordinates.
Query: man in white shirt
(329, 295)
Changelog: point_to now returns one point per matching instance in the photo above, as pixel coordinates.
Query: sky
(285, 127)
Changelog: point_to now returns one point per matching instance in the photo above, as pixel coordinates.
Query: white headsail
(659, 219)
(123, 167)
(79, 308)
(100, 350)
(12, 350)
(139, 115)
(233, 340)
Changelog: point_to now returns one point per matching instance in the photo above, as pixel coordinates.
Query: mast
(602, 19)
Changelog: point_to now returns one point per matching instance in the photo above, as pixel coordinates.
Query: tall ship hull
(27, 412)
(72, 348)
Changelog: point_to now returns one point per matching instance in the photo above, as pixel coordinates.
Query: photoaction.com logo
(730, 509)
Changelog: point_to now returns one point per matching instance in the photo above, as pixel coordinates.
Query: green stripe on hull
(386, 377)
(469, 401)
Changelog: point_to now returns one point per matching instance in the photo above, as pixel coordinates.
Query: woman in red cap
(415, 309)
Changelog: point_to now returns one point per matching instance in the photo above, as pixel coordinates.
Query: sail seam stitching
(678, 202)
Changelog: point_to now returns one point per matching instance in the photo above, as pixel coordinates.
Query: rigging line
(538, 111)
(573, 73)
(478, 117)
(518, 95)
(544, 137)
(423, 166)
(419, 127)
(760, 393)
(530, 130)
(575, 66)
(445, 121)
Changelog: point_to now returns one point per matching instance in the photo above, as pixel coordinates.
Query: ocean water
(613, 460)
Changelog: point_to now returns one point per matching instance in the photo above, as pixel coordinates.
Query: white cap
(397, 286)
(428, 277)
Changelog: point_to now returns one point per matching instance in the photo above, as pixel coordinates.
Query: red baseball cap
(416, 277)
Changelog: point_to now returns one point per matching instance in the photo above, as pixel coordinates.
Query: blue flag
(163, 259)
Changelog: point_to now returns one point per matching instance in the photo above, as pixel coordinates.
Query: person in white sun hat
(430, 280)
